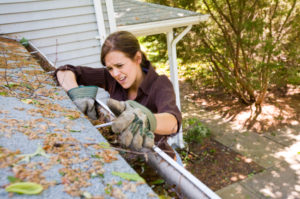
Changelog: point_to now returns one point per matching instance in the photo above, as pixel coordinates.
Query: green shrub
(194, 131)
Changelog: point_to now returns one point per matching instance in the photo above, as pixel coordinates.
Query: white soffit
(159, 27)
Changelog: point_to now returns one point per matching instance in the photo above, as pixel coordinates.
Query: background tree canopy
(245, 47)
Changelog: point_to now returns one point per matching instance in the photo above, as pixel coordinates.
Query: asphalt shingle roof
(131, 12)
(40, 122)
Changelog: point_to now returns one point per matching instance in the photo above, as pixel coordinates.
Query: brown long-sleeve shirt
(155, 92)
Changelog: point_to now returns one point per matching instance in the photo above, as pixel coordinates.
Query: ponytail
(145, 62)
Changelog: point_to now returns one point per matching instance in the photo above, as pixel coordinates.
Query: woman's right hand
(66, 79)
(84, 98)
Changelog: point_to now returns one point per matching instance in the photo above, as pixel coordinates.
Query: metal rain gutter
(40, 54)
(171, 171)
(174, 174)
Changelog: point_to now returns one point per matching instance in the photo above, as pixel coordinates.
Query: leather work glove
(84, 98)
(134, 122)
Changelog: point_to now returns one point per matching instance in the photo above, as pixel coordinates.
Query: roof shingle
(130, 12)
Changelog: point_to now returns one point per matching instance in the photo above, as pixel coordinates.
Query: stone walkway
(278, 152)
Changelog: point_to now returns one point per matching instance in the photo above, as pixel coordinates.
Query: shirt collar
(150, 77)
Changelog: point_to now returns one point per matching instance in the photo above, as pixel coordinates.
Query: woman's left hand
(134, 122)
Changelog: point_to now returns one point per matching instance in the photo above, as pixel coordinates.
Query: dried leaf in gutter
(108, 155)
(104, 145)
(117, 193)
(29, 188)
(39, 151)
(86, 195)
(128, 176)
(29, 101)
(13, 179)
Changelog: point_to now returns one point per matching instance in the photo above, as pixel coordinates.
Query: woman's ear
(138, 57)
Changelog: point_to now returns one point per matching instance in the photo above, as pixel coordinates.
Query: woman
(128, 75)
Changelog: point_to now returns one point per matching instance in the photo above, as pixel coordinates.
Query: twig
(59, 144)
(5, 71)
(56, 48)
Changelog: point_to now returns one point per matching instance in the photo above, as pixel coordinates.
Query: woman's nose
(115, 72)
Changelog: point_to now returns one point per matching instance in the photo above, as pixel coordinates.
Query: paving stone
(285, 136)
(254, 146)
(236, 191)
(280, 181)
(277, 151)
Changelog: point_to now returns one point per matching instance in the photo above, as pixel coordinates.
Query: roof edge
(158, 27)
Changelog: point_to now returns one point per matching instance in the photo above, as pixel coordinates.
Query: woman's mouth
(122, 79)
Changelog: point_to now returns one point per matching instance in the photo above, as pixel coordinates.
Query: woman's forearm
(66, 79)
(166, 124)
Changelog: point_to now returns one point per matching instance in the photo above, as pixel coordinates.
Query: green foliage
(24, 42)
(245, 46)
(157, 182)
(198, 74)
(156, 47)
(128, 176)
(194, 131)
(29, 188)
(39, 152)
(245, 43)
(13, 179)
(3, 93)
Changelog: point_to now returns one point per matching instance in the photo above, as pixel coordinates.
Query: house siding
(64, 30)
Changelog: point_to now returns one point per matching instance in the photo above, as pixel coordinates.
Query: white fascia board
(159, 27)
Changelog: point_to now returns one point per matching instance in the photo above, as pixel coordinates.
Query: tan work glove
(84, 98)
(134, 122)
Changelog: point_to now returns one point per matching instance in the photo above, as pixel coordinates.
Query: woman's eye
(109, 68)
(119, 65)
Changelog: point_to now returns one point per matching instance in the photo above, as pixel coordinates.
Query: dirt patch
(281, 107)
(217, 165)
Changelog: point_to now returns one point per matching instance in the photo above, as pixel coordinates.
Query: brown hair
(124, 42)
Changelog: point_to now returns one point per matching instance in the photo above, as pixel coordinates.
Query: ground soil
(280, 108)
(213, 163)
(217, 165)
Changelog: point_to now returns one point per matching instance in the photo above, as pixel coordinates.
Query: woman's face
(123, 69)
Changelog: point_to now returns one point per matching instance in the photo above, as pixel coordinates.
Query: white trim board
(158, 27)
(111, 15)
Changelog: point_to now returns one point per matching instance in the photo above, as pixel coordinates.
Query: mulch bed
(216, 165)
